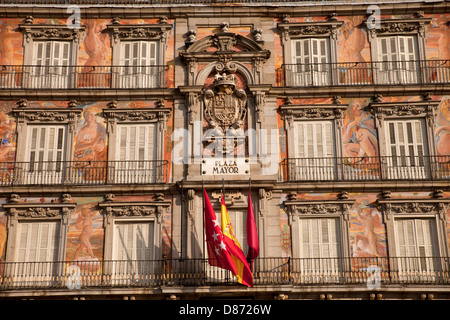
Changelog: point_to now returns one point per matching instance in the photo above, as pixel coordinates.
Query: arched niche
(225, 52)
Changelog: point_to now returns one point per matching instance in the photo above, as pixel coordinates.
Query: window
(320, 238)
(315, 151)
(405, 136)
(406, 148)
(46, 154)
(138, 65)
(43, 139)
(133, 240)
(138, 54)
(398, 50)
(136, 152)
(309, 49)
(398, 59)
(51, 65)
(311, 58)
(314, 142)
(417, 248)
(136, 140)
(50, 51)
(134, 250)
(36, 241)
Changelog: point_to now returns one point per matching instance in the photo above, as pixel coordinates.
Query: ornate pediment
(51, 32)
(413, 207)
(309, 29)
(138, 115)
(398, 26)
(296, 208)
(139, 32)
(425, 109)
(150, 209)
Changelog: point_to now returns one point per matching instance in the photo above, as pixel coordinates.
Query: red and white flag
(224, 250)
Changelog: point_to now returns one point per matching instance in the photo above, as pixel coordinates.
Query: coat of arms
(225, 106)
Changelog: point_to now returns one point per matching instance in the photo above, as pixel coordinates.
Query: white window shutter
(38, 241)
(319, 237)
(134, 241)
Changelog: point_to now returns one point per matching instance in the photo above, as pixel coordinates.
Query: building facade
(116, 114)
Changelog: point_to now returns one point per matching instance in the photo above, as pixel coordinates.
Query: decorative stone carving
(225, 106)
(134, 209)
(294, 208)
(308, 29)
(399, 26)
(402, 207)
(50, 32)
(17, 211)
(139, 32)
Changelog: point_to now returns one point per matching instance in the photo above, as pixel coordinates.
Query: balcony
(83, 172)
(364, 73)
(83, 77)
(197, 272)
(366, 168)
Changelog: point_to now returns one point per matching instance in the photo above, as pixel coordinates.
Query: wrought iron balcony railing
(84, 172)
(83, 77)
(366, 168)
(364, 73)
(197, 272)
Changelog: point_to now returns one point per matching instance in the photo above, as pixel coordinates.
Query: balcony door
(51, 65)
(46, 145)
(138, 65)
(319, 249)
(136, 152)
(398, 60)
(134, 253)
(417, 248)
(407, 149)
(36, 253)
(315, 154)
(311, 62)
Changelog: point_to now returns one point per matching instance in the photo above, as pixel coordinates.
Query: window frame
(121, 33)
(38, 212)
(49, 32)
(337, 209)
(291, 114)
(26, 117)
(398, 111)
(396, 209)
(291, 31)
(397, 27)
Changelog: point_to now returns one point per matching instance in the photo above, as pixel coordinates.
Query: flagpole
(204, 230)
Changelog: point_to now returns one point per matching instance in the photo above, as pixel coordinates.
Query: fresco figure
(7, 36)
(94, 72)
(443, 131)
(359, 136)
(90, 147)
(367, 244)
(84, 222)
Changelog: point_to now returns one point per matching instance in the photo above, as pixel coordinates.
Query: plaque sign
(225, 166)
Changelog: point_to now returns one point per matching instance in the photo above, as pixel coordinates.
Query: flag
(218, 254)
(243, 272)
(252, 232)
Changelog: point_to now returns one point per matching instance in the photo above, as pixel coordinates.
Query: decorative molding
(20, 210)
(115, 115)
(67, 116)
(120, 32)
(309, 29)
(297, 208)
(291, 113)
(398, 26)
(413, 207)
(51, 32)
(155, 209)
(425, 109)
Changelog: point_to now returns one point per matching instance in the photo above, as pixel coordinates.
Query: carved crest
(225, 106)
